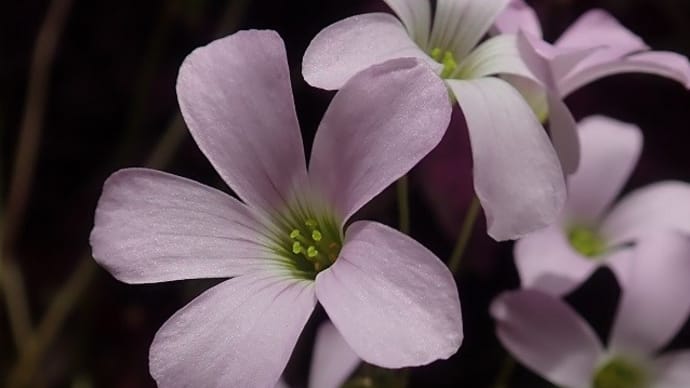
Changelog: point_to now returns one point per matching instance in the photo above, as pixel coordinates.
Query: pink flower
(595, 46)
(284, 245)
(592, 231)
(548, 336)
(517, 173)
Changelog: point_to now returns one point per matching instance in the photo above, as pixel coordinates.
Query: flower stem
(506, 371)
(464, 236)
(25, 163)
(403, 190)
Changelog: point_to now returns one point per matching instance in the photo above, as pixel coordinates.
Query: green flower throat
(308, 241)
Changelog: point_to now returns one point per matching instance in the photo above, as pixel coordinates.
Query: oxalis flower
(285, 244)
(592, 231)
(593, 47)
(517, 173)
(549, 337)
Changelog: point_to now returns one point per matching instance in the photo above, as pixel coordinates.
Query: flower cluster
(287, 243)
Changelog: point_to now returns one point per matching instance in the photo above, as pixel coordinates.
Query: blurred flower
(591, 231)
(394, 302)
(549, 337)
(595, 46)
(517, 174)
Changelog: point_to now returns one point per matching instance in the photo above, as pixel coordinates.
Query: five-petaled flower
(518, 176)
(592, 231)
(549, 337)
(283, 245)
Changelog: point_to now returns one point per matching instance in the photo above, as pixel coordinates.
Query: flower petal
(662, 63)
(592, 189)
(393, 301)
(236, 98)
(547, 336)
(546, 261)
(351, 45)
(459, 25)
(518, 16)
(497, 55)
(333, 359)
(239, 333)
(657, 286)
(416, 16)
(663, 205)
(153, 227)
(517, 175)
(596, 28)
(563, 130)
(673, 370)
(378, 126)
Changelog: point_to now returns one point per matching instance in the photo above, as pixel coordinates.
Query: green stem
(403, 191)
(25, 162)
(504, 374)
(464, 236)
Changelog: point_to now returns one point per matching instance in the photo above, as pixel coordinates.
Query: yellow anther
(316, 235)
(294, 234)
(436, 54)
(312, 251)
(449, 64)
(296, 247)
(311, 223)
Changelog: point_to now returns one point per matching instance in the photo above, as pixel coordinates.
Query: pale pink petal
(497, 55)
(239, 333)
(546, 335)
(378, 126)
(236, 98)
(598, 28)
(673, 370)
(563, 131)
(416, 16)
(333, 360)
(609, 151)
(281, 384)
(517, 16)
(662, 63)
(351, 45)
(621, 261)
(152, 227)
(393, 301)
(546, 261)
(460, 24)
(663, 205)
(654, 302)
(517, 175)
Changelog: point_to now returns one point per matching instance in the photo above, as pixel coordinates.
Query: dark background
(111, 97)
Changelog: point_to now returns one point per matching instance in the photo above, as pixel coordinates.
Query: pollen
(447, 59)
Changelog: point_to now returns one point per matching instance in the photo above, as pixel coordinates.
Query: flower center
(447, 59)
(586, 241)
(620, 373)
(308, 241)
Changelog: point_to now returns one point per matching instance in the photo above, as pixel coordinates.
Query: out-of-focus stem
(25, 163)
(464, 236)
(503, 378)
(403, 190)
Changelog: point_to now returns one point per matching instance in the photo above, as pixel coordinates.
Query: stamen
(294, 234)
(586, 241)
(312, 251)
(297, 247)
(316, 235)
(447, 59)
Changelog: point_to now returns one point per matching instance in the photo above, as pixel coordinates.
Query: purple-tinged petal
(546, 261)
(546, 335)
(239, 333)
(518, 16)
(596, 28)
(459, 25)
(236, 98)
(609, 151)
(378, 126)
(662, 63)
(663, 205)
(654, 302)
(563, 131)
(673, 370)
(416, 16)
(351, 45)
(517, 175)
(153, 227)
(281, 384)
(393, 301)
(333, 360)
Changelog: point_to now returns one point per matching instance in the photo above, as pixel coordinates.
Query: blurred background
(104, 98)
